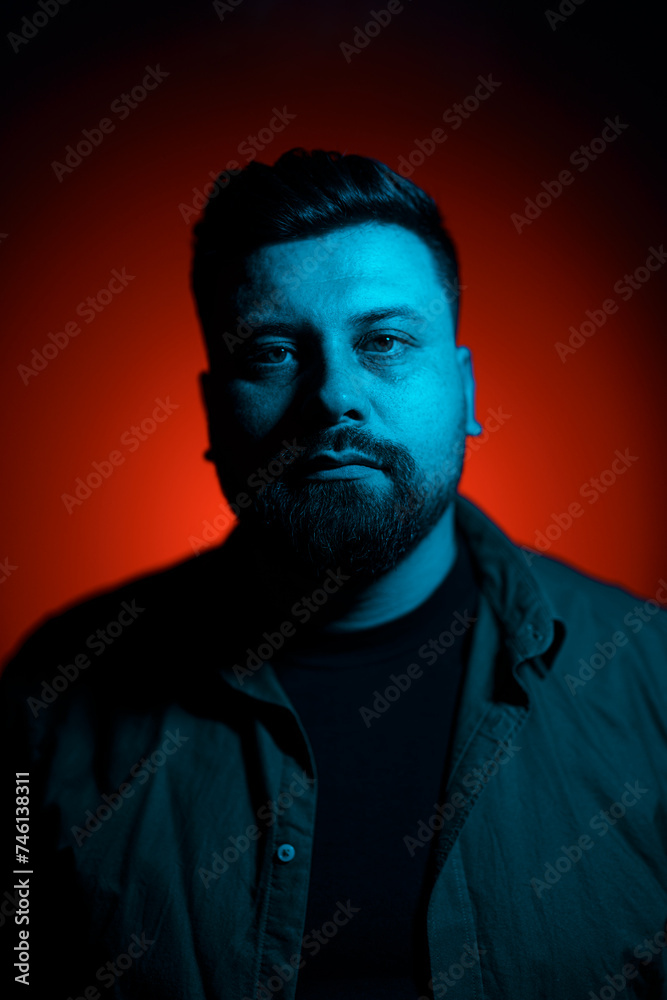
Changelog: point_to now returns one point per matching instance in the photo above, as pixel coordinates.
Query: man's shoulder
(129, 626)
(609, 673)
(603, 623)
(577, 597)
(574, 592)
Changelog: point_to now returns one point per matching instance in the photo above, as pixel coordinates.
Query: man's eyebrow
(270, 326)
(358, 320)
(390, 312)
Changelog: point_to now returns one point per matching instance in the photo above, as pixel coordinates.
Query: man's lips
(337, 460)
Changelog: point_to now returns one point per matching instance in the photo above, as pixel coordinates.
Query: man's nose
(335, 391)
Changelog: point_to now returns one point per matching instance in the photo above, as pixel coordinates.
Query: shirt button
(285, 852)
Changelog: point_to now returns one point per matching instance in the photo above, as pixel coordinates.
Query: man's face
(349, 350)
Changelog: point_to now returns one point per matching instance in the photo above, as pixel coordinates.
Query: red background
(120, 208)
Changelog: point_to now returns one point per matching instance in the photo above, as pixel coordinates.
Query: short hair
(304, 194)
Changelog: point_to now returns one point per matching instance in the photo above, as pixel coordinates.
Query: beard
(308, 527)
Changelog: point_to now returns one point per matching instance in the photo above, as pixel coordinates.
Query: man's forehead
(352, 265)
(374, 247)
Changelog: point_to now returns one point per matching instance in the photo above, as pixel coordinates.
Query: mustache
(343, 439)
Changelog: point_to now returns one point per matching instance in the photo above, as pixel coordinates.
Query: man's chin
(349, 525)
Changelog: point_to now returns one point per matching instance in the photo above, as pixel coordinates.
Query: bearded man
(352, 752)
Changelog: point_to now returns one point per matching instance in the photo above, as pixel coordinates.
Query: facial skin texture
(321, 370)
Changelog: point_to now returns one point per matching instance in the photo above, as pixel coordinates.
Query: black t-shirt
(378, 707)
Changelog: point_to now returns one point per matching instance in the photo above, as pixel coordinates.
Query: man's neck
(395, 593)
(407, 585)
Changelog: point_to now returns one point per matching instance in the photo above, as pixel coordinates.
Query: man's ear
(464, 360)
(209, 397)
(205, 388)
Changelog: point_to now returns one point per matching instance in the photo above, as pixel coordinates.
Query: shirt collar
(527, 617)
(523, 611)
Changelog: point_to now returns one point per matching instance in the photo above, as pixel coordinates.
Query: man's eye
(269, 356)
(382, 343)
(276, 355)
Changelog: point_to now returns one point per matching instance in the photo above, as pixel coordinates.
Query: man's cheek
(256, 409)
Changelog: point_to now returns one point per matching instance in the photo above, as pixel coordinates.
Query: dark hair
(303, 194)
